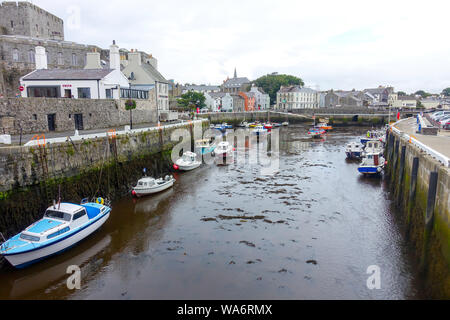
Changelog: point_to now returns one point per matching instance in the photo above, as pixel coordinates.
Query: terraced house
(297, 97)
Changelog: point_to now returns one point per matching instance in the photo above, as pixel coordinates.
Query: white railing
(430, 151)
(109, 133)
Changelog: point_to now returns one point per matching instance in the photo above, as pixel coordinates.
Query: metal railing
(430, 151)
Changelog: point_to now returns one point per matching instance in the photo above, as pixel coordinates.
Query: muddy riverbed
(309, 231)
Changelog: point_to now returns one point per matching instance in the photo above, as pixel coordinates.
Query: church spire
(235, 74)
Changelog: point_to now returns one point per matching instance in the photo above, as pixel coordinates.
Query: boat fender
(100, 200)
(133, 193)
(379, 169)
(176, 167)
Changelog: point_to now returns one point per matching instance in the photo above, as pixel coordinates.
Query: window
(15, 54)
(31, 57)
(108, 94)
(74, 59)
(29, 238)
(57, 215)
(57, 233)
(12, 24)
(60, 58)
(78, 215)
(84, 93)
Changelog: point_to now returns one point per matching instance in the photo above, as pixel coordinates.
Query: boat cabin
(189, 156)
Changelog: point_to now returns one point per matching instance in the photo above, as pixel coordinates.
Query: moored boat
(372, 164)
(205, 146)
(259, 130)
(63, 226)
(316, 132)
(224, 153)
(149, 185)
(285, 124)
(354, 150)
(187, 162)
(325, 126)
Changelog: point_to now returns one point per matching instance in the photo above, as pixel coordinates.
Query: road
(440, 143)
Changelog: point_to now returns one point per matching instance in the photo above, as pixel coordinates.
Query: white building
(74, 83)
(405, 102)
(144, 76)
(219, 101)
(200, 88)
(296, 97)
(262, 99)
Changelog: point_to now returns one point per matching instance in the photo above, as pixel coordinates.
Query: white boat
(63, 226)
(188, 162)
(372, 164)
(149, 185)
(223, 153)
(373, 146)
(354, 150)
(259, 130)
(285, 123)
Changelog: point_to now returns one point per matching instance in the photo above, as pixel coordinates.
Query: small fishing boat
(254, 124)
(63, 226)
(316, 132)
(224, 153)
(285, 124)
(227, 126)
(372, 164)
(373, 146)
(325, 126)
(187, 162)
(149, 185)
(259, 130)
(354, 150)
(268, 126)
(243, 124)
(276, 124)
(205, 146)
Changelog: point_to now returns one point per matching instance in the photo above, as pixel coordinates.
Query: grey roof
(68, 74)
(376, 90)
(235, 82)
(296, 89)
(202, 88)
(217, 94)
(407, 98)
(153, 72)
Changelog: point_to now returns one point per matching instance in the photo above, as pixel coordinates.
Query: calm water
(308, 232)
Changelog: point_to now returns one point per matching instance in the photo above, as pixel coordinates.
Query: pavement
(15, 140)
(440, 143)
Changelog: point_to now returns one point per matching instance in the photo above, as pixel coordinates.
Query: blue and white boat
(205, 146)
(354, 150)
(373, 146)
(372, 164)
(259, 130)
(63, 226)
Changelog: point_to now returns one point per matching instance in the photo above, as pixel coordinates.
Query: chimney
(41, 58)
(114, 56)
(135, 58)
(93, 60)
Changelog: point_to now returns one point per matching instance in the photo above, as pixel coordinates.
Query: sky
(329, 44)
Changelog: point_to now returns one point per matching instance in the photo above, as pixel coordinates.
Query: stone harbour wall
(31, 114)
(421, 190)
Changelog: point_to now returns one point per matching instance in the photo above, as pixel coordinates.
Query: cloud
(333, 44)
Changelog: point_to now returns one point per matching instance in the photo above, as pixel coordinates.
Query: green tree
(422, 93)
(401, 93)
(191, 100)
(271, 83)
(130, 105)
(446, 92)
(419, 105)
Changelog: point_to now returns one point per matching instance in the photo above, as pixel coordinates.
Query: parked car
(444, 120)
(439, 114)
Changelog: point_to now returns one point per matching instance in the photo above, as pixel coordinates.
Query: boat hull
(188, 167)
(224, 158)
(373, 170)
(147, 191)
(353, 155)
(22, 260)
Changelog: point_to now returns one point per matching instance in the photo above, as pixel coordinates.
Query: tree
(446, 92)
(419, 105)
(191, 100)
(130, 105)
(271, 83)
(422, 93)
(401, 93)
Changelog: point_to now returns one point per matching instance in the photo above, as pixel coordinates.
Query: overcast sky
(329, 44)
